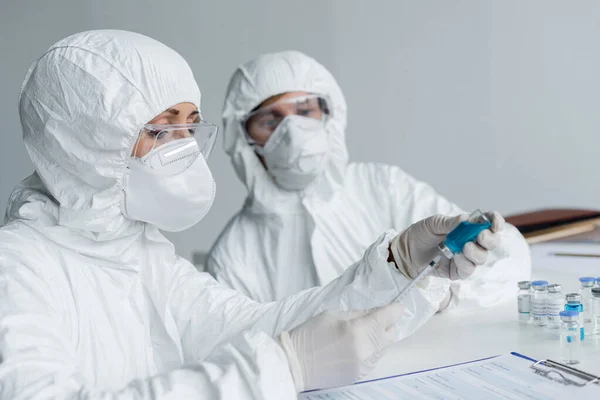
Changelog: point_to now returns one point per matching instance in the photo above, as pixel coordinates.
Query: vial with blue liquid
(466, 231)
(570, 340)
(574, 304)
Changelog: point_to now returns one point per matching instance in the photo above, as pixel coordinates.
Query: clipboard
(563, 381)
(562, 373)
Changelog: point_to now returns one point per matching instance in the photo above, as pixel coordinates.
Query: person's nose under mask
(296, 153)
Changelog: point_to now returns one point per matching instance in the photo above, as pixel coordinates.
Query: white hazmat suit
(285, 241)
(96, 306)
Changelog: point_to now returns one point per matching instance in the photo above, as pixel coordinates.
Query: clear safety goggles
(261, 123)
(154, 136)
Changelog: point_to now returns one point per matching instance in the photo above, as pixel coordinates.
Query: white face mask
(170, 187)
(296, 153)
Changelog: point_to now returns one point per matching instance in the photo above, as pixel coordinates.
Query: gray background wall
(495, 103)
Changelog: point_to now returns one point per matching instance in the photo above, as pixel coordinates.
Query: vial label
(553, 309)
(552, 319)
(539, 308)
(524, 303)
(540, 320)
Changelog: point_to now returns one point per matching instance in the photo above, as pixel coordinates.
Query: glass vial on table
(587, 283)
(524, 301)
(574, 304)
(596, 311)
(555, 303)
(570, 340)
(538, 302)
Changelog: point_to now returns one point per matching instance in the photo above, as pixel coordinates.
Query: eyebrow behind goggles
(265, 120)
(153, 136)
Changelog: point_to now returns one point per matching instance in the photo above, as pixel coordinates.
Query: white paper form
(503, 377)
(543, 257)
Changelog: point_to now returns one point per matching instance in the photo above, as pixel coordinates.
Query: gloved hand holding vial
(448, 247)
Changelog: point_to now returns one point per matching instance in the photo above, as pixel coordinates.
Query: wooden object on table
(558, 224)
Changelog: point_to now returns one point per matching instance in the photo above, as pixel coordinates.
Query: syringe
(464, 233)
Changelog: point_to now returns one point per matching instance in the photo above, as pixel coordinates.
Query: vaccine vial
(570, 340)
(596, 311)
(555, 303)
(574, 304)
(465, 232)
(538, 302)
(524, 301)
(587, 283)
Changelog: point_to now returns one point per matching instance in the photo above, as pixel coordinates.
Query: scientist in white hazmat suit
(309, 213)
(94, 302)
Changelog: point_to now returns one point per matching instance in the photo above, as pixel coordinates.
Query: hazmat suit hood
(252, 83)
(82, 105)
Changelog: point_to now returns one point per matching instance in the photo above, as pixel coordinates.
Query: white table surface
(450, 339)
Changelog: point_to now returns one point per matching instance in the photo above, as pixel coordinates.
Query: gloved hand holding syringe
(450, 247)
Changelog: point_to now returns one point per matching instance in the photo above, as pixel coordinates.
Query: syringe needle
(426, 271)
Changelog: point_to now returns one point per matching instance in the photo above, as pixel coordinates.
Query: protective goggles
(261, 123)
(154, 136)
